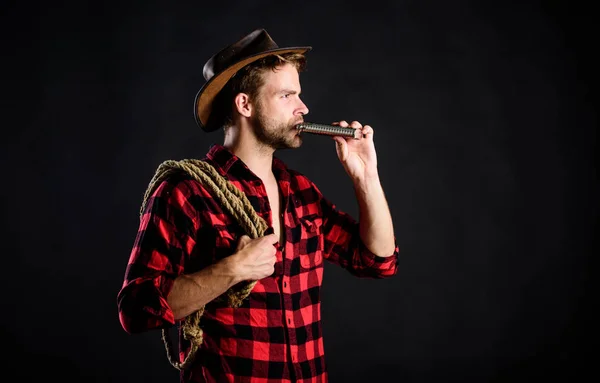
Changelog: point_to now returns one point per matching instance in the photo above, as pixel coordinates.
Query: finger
(270, 270)
(367, 131)
(271, 238)
(356, 125)
(272, 260)
(267, 261)
(341, 123)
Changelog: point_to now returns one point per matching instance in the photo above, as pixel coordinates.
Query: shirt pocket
(311, 242)
(225, 243)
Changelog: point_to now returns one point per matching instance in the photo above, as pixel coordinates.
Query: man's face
(278, 109)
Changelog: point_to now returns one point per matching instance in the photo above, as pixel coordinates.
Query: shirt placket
(288, 309)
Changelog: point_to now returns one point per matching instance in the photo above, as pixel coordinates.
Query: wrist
(367, 183)
(229, 268)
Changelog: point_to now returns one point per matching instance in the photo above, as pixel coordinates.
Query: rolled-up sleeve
(156, 260)
(343, 245)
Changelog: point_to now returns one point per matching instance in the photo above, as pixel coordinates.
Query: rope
(235, 203)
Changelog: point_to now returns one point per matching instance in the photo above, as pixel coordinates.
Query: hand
(254, 259)
(358, 156)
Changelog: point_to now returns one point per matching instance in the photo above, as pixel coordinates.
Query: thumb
(243, 241)
(341, 148)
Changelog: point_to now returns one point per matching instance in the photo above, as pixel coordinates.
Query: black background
(485, 123)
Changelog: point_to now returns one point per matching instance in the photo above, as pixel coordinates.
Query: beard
(275, 134)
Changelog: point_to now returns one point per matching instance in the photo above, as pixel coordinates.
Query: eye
(287, 95)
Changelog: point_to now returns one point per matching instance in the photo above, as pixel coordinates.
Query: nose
(302, 108)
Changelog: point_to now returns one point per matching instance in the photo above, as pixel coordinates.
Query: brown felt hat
(223, 65)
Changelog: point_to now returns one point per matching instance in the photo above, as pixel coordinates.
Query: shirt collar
(226, 162)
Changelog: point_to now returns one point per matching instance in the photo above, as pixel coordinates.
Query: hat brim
(206, 95)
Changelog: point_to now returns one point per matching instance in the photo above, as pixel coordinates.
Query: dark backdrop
(485, 123)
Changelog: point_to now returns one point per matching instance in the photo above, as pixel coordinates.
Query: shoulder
(179, 175)
(180, 188)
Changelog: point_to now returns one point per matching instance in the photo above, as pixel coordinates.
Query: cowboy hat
(223, 65)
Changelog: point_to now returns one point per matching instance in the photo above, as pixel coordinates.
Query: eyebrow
(290, 91)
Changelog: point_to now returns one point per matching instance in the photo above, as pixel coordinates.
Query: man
(190, 250)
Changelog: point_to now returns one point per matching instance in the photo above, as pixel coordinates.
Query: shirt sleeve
(344, 247)
(164, 240)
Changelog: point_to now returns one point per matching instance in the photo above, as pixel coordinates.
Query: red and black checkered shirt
(276, 335)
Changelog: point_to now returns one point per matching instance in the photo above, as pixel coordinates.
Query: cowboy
(230, 247)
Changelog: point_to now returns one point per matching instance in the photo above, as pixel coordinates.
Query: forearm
(253, 260)
(191, 292)
(375, 220)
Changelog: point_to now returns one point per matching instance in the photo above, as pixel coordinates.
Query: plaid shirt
(276, 335)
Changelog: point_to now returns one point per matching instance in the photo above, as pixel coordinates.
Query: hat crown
(219, 69)
(253, 43)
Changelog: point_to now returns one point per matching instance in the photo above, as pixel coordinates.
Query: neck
(258, 157)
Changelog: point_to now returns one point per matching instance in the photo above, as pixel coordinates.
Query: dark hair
(249, 80)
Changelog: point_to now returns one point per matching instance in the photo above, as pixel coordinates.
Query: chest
(275, 202)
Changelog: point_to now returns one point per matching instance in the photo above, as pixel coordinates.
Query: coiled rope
(235, 203)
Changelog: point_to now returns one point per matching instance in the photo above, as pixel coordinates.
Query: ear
(242, 104)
